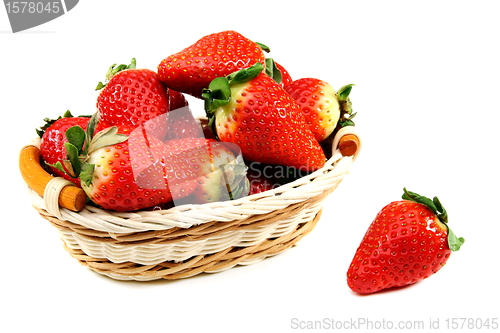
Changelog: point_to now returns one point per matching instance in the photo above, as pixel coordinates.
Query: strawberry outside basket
(190, 239)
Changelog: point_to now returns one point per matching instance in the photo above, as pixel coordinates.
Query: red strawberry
(53, 138)
(133, 97)
(137, 174)
(319, 103)
(127, 172)
(176, 99)
(219, 168)
(181, 122)
(250, 109)
(408, 241)
(219, 54)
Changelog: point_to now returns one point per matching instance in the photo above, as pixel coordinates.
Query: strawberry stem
(346, 114)
(437, 208)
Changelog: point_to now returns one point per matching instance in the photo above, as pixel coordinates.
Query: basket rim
(188, 215)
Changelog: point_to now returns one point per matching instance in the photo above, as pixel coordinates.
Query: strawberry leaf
(245, 74)
(437, 208)
(58, 166)
(454, 242)
(273, 71)
(87, 173)
(217, 94)
(442, 214)
(89, 134)
(412, 196)
(76, 136)
(106, 137)
(113, 69)
(346, 114)
(100, 85)
(234, 178)
(344, 92)
(74, 159)
(264, 47)
(49, 122)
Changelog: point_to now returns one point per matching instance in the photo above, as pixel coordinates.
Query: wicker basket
(190, 239)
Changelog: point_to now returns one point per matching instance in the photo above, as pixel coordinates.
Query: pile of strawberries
(144, 149)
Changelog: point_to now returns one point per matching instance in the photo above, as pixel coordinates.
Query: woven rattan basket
(190, 239)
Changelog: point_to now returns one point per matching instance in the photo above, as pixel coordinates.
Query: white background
(427, 78)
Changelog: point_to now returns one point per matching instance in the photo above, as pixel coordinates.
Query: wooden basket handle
(347, 141)
(71, 197)
(349, 145)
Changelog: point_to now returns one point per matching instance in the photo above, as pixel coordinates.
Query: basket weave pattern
(191, 239)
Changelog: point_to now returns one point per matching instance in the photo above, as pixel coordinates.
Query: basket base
(212, 263)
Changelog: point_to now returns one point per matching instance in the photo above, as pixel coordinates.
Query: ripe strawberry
(176, 100)
(408, 241)
(181, 122)
(133, 97)
(127, 172)
(219, 167)
(250, 109)
(53, 138)
(319, 103)
(219, 54)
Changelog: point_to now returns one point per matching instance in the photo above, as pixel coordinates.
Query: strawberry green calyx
(81, 144)
(346, 114)
(49, 122)
(113, 69)
(273, 71)
(218, 92)
(264, 47)
(437, 208)
(234, 179)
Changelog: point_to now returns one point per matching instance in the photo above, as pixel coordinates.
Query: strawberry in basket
(408, 241)
(219, 165)
(319, 103)
(53, 140)
(219, 54)
(133, 97)
(121, 168)
(181, 122)
(250, 109)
